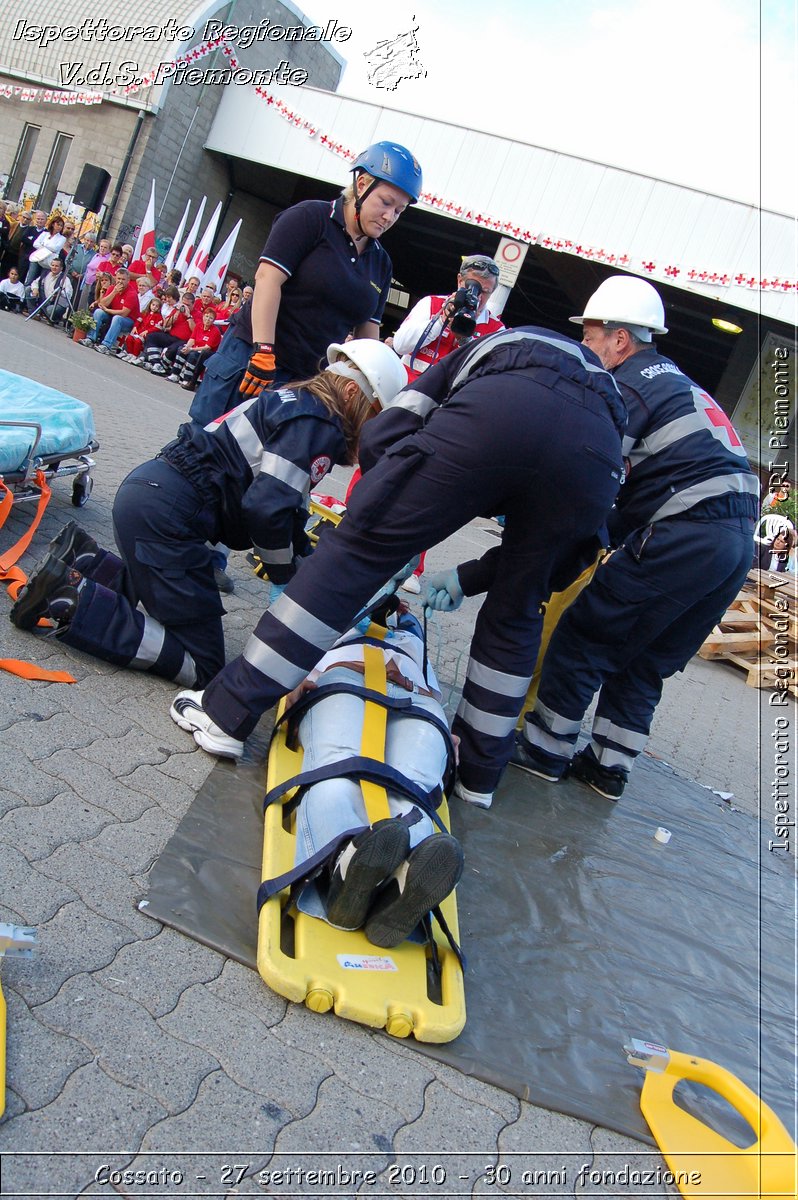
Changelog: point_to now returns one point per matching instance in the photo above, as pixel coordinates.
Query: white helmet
(628, 301)
(374, 366)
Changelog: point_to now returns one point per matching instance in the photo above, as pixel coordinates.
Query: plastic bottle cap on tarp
(662, 835)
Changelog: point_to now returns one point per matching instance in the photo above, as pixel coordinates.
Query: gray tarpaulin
(580, 930)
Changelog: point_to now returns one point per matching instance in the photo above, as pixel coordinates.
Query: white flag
(218, 268)
(190, 244)
(169, 261)
(202, 255)
(146, 238)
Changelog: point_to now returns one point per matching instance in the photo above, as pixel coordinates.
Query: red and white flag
(218, 268)
(190, 244)
(169, 261)
(146, 238)
(202, 255)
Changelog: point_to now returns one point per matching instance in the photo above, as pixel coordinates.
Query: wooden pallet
(755, 627)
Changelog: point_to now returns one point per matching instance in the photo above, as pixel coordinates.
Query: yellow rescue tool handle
(705, 1163)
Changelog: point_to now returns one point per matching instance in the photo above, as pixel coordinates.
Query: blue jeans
(330, 731)
(117, 326)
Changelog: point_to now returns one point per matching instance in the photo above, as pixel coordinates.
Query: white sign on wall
(510, 257)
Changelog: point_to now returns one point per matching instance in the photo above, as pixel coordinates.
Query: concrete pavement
(132, 1048)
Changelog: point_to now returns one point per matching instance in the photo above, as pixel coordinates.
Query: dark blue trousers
(543, 453)
(645, 614)
(157, 608)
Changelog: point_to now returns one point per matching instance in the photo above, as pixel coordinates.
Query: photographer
(439, 324)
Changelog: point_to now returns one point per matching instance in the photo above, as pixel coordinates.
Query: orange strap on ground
(26, 670)
(15, 578)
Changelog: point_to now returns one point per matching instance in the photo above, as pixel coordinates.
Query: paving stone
(74, 940)
(103, 886)
(174, 797)
(134, 845)
(30, 702)
(123, 755)
(539, 1131)
(39, 739)
(452, 1125)
(155, 973)
(83, 702)
(42, 828)
(244, 988)
(30, 781)
(98, 785)
(93, 1111)
(341, 1122)
(39, 1061)
(244, 1046)
(36, 896)
(362, 1060)
(191, 767)
(621, 1165)
(222, 1115)
(466, 1086)
(10, 800)
(146, 1058)
(151, 713)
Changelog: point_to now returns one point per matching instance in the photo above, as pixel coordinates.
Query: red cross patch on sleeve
(319, 467)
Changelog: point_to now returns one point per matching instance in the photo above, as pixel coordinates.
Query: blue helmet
(393, 164)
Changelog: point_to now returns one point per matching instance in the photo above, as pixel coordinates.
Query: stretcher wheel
(81, 490)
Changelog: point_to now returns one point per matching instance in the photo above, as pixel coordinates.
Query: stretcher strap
(301, 874)
(15, 578)
(403, 706)
(372, 739)
(358, 768)
(10, 557)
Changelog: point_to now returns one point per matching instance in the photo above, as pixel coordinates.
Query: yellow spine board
(306, 960)
(704, 1163)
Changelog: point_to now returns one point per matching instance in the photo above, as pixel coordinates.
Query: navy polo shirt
(330, 289)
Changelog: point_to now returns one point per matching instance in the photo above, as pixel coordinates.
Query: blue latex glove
(444, 593)
(275, 591)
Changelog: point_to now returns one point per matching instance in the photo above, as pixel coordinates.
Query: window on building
(53, 171)
(22, 161)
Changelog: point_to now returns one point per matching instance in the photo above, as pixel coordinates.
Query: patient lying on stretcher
(387, 875)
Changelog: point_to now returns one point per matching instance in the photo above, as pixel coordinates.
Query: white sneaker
(480, 799)
(412, 584)
(188, 713)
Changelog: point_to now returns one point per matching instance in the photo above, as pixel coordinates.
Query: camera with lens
(465, 304)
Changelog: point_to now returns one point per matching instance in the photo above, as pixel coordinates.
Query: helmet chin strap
(359, 200)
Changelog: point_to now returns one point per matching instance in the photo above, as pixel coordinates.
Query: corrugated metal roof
(600, 210)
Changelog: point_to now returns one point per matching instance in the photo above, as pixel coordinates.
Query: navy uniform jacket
(527, 350)
(684, 455)
(256, 466)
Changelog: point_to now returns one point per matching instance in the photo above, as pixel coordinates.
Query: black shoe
(51, 591)
(524, 756)
(370, 858)
(223, 581)
(607, 781)
(431, 871)
(74, 547)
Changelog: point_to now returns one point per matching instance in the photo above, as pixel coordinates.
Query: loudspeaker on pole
(91, 188)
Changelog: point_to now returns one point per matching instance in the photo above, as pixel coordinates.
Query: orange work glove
(260, 371)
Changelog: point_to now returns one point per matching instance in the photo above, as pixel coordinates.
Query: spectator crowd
(133, 309)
